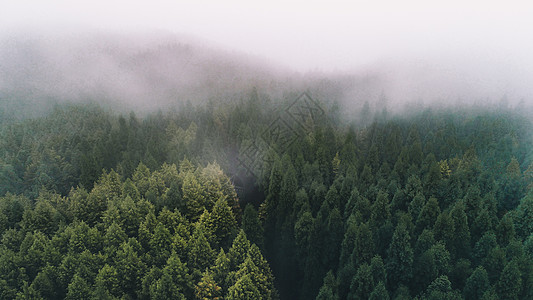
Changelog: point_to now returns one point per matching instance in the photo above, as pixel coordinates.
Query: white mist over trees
(147, 72)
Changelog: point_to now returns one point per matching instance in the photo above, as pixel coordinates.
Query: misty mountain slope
(150, 72)
(140, 73)
(146, 73)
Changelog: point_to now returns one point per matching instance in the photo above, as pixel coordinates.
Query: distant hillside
(137, 71)
(145, 73)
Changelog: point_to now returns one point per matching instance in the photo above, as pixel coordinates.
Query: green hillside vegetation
(99, 205)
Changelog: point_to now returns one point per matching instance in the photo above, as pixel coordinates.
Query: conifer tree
(460, 244)
(252, 225)
(200, 253)
(477, 284)
(379, 292)
(221, 223)
(510, 282)
(328, 289)
(400, 257)
(78, 289)
(362, 283)
(207, 288)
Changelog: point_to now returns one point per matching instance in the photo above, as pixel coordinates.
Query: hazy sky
(424, 49)
(305, 35)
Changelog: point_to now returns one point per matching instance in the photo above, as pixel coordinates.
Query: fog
(139, 71)
(155, 54)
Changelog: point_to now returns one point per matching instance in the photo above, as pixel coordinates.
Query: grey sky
(488, 43)
(305, 35)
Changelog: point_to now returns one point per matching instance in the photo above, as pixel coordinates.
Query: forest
(97, 203)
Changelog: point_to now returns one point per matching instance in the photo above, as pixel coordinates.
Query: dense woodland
(96, 204)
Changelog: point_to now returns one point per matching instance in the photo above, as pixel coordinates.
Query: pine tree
(425, 271)
(425, 241)
(494, 263)
(377, 268)
(347, 244)
(510, 283)
(243, 289)
(505, 230)
(113, 238)
(220, 269)
(274, 188)
(221, 223)
(400, 257)
(201, 255)
(441, 288)
(348, 184)
(513, 187)
(44, 284)
(460, 272)
(482, 223)
(428, 216)
(334, 228)
(332, 199)
(472, 203)
(239, 250)
(380, 210)
(444, 229)
(363, 249)
(302, 234)
(258, 277)
(78, 289)
(344, 277)
(523, 215)
(101, 293)
(165, 288)
(207, 288)
(328, 289)
(379, 292)
(129, 267)
(362, 205)
(442, 258)
(252, 225)
(146, 229)
(416, 205)
(477, 284)
(175, 281)
(264, 268)
(460, 243)
(482, 248)
(160, 244)
(362, 283)
(107, 282)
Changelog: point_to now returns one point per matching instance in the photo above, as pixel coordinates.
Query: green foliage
(400, 257)
(362, 283)
(523, 217)
(379, 292)
(460, 242)
(201, 255)
(97, 205)
(328, 289)
(363, 248)
(510, 283)
(441, 288)
(207, 288)
(221, 224)
(243, 289)
(251, 225)
(78, 288)
(477, 284)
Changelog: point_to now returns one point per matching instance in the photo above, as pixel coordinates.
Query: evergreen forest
(100, 203)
